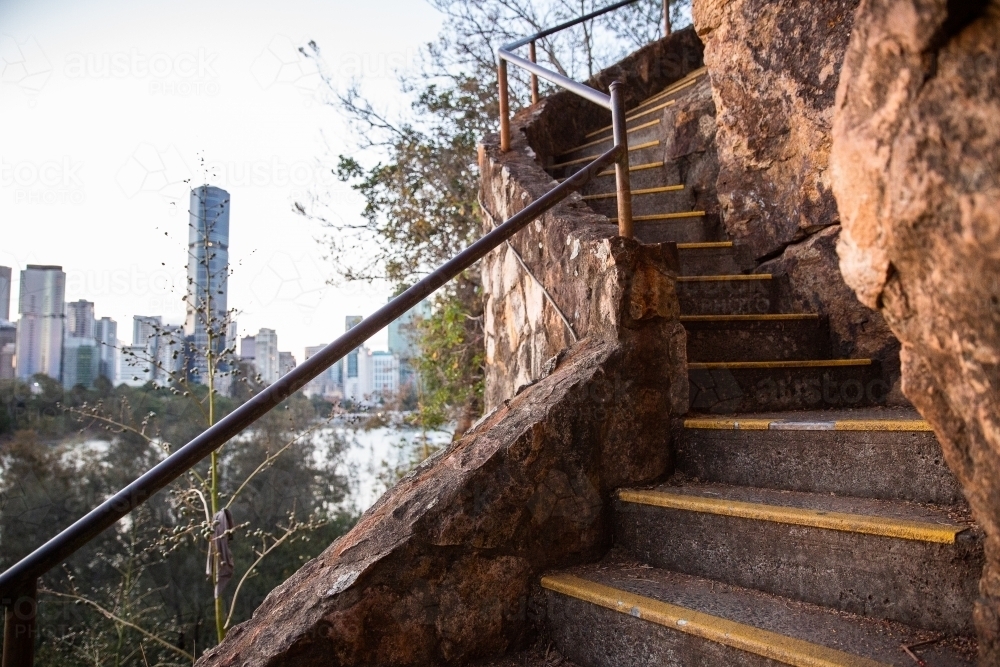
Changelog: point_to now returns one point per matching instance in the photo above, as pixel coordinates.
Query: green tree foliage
(418, 173)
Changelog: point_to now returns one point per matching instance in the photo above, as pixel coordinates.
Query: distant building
(136, 365)
(81, 362)
(80, 319)
(170, 354)
(8, 349)
(41, 306)
(328, 384)
(286, 362)
(266, 355)
(402, 341)
(248, 350)
(5, 278)
(145, 329)
(385, 373)
(106, 335)
(208, 274)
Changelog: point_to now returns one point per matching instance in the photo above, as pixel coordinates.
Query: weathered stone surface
(813, 283)
(915, 162)
(774, 72)
(556, 282)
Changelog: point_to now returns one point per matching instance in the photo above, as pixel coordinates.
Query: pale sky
(107, 106)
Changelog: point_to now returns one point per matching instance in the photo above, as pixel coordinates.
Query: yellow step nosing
(895, 425)
(591, 158)
(705, 245)
(664, 216)
(688, 80)
(666, 92)
(764, 317)
(725, 278)
(782, 648)
(644, 191)
(631, 168)
(919, 531)
(818, 363)
(629, 119)
(601, 141)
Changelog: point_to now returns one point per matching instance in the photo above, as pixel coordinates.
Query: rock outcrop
(774, 69)
(444, 569)
(916, 172)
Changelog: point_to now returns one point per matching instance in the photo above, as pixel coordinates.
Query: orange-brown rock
(916, 163)
(774, 68)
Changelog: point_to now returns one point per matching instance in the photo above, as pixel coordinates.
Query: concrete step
(727, 294)
(646, 110)
(653, 174)
(650, 129)
(630, 615)
(839, 452)
(647, 152)
(715, 258)
(755, 386)
(767, 337)
(914, 564)
(646, 201)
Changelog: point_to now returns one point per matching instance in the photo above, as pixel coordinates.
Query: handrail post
(19, 626)
(534, 77)
(666, 18)
(622, 181)
(504, 107)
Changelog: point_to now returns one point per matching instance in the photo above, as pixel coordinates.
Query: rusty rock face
(774, 69)
(916, 163)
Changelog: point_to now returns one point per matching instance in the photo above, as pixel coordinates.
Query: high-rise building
(106, 335)
(266, 355)
(402, 340)
(170, 357)
(41, 306)
(81, 362)
(80, 319)
(248, 349)
(5, 276)
(329, 383)
(208, 275)
(385, 373)
(136, 365)
(286, 363)
(8, 349)
(145, 329)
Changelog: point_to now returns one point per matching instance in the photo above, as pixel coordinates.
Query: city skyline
(94, 161)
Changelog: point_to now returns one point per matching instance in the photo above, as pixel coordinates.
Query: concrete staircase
(805, 523)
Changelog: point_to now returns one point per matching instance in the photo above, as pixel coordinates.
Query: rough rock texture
(916, 163)
(814, 284)
(443, 570)
(774, 72)
(549, 287)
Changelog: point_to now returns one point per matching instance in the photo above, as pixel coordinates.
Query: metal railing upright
(613, 101)
(19, 584)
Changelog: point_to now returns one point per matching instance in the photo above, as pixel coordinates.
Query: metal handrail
(614, 102)
(18, 585)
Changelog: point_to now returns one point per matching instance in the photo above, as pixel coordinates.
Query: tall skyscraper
(402, 340)
(5, 292)
(41, 306)
(145, 329)
(106, 335)
(80, 319)
(266, 355)
(208, 274)
(81, 362)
